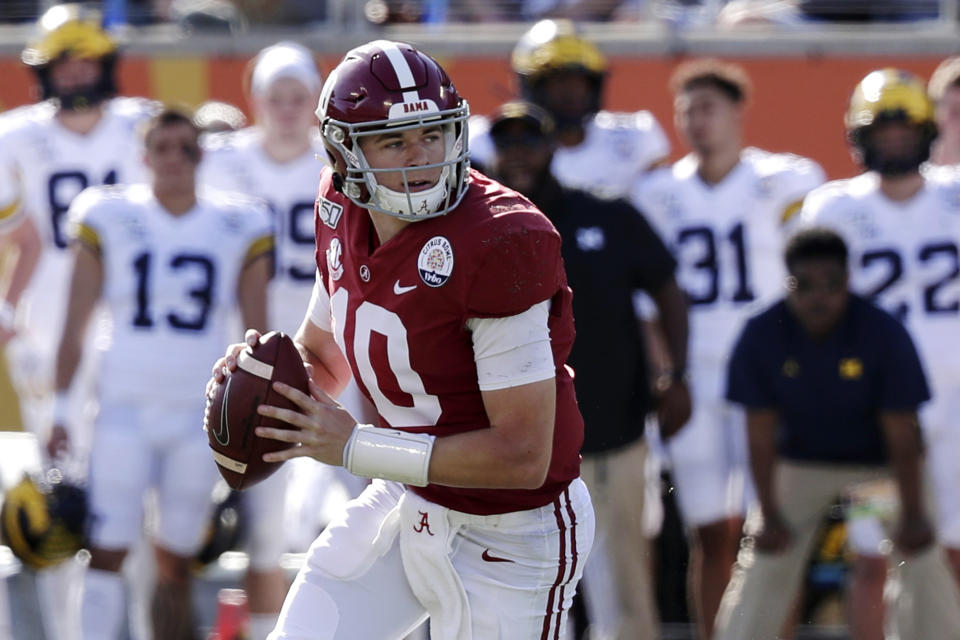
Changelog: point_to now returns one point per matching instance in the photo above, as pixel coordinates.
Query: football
(231, 414)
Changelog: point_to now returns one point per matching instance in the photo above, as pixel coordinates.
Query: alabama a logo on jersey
(435, 263)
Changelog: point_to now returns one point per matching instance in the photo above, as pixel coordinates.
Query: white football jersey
(237, 161)
(903, 255)
(170, 284)
(727, 239)
(52, 165)
(618, 148)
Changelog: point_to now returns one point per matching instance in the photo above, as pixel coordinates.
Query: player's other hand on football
(228, 363)
(320, 429)
(775, 537)
(673, 405)
(914, 533)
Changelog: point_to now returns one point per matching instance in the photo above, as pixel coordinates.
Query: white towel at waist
(426, 539)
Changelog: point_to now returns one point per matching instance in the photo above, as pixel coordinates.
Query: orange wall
(798, 103)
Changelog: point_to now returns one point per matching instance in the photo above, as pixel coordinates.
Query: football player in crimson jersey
(444, 294)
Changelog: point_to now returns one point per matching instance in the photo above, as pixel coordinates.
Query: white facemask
(419, 202)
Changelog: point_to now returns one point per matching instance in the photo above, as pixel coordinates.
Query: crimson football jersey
(400, 310)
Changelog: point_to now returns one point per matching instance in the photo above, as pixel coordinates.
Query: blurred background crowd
(240, 14)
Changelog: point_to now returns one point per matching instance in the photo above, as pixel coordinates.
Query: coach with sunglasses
(831, 385)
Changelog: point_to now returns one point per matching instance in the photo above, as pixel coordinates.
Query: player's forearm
(69, 355)
(902, 435)
(26, 244)
(761, 432)
(674, 325)
(483, 459)
(252, 293)
(514, 453)
(85, 287)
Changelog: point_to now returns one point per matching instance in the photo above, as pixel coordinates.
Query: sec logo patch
(435, 263)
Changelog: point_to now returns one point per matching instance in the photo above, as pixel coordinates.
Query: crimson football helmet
(382, 87)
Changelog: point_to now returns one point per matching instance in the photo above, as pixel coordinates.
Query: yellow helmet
(890, 94)
(72, 30)
(43, 523)
(553, 45)
(68, 29)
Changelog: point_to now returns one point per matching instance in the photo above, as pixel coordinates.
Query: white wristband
(373, 452)
(7, 315)
(61, 408)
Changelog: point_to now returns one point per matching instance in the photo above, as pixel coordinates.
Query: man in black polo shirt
(610, 253)
(831, 385)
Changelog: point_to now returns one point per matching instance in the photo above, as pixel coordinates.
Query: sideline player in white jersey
(170, 267)
(279, 160)
(944, 90)
(721, 209)
(902, 224)
(600, 151)
(79, 135)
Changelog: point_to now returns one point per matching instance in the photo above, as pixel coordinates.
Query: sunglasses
(528, 141)
(805, 286)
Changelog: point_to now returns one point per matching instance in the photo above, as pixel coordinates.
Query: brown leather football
(231, 415)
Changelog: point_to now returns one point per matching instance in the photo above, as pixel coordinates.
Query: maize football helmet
(554, 46)
(227, 528)
(71, 30)
(888, 95)
(385, 87)
(44, 522)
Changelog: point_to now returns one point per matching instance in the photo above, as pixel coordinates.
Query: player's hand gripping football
(320, 429)
(228, 363)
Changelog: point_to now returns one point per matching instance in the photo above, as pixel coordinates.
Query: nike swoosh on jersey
(397, 289)
(489, 558)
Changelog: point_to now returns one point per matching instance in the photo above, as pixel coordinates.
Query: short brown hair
(166, 117)
(946, 75)
(729, 78)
